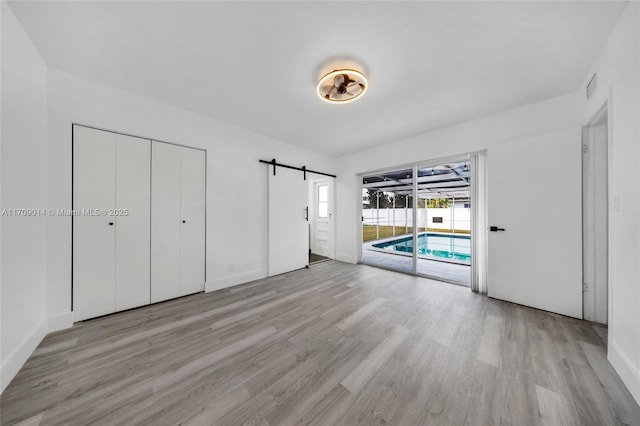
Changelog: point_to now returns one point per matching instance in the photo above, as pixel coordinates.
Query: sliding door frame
(433, 163)
(360, 216)
(414, 166)
(414, 220)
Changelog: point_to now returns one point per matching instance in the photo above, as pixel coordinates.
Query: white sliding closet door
(165, 221)
(133, 233)
(177, 221)
(288, 225)
(192, 209)
(94, 236)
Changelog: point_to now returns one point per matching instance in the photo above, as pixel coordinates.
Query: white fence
(458, 218)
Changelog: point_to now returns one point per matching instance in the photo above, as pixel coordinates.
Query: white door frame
(594, 308)
(313, 214)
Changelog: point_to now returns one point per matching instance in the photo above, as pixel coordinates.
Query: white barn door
(534, 194)
(288, 226)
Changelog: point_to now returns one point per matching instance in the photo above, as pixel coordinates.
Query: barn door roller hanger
(303, 169)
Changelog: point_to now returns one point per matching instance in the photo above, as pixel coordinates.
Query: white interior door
(288, 226)
(192, 244)
(321, 218)
(165, 221)
(534, 193)
(94, 234)
(133, 250)
(595, 222)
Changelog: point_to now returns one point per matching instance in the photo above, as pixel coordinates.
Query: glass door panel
(444, 221)
(387, 220)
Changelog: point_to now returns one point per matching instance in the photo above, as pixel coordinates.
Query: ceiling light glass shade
(342, 86)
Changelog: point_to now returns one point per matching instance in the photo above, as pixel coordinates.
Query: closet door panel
(133, 233)
(165, 221)
(192, 245)
(94, 235)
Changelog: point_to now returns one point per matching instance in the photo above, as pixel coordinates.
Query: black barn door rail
(303, 169)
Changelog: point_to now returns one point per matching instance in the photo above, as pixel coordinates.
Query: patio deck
(448, 271)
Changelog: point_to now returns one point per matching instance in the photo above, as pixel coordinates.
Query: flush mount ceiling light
(342, 86)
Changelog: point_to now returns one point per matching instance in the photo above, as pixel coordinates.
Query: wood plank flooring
(334, 344)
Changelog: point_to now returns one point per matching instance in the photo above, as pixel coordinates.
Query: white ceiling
(255, 65)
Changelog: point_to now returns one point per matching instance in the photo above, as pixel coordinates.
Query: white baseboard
(628, 372)
(346, 258)
(59, 322)
(234, 280)
(16, 360)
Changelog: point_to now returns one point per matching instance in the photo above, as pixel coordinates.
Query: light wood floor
(335, 344)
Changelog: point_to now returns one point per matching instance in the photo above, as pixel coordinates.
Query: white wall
(618, 69)
(543, 118)
(24, 173)
(236, 181)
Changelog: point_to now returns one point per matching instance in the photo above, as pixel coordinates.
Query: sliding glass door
(418, 220)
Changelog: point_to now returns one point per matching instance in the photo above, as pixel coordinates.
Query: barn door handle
(306, 213)
(495, 229)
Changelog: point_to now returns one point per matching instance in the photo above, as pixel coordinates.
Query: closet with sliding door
(138, 223)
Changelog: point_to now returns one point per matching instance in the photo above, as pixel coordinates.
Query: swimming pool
(442, 246)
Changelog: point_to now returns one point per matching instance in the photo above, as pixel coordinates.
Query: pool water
(453, 247)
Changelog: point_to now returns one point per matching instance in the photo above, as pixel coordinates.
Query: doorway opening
(320, 215)
(418, 220)
(595, 219)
